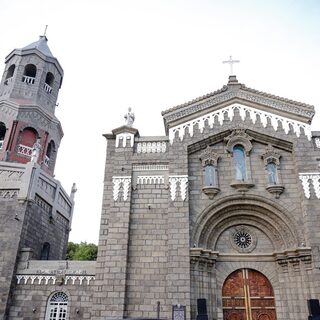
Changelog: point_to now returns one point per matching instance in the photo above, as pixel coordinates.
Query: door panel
(248, 295)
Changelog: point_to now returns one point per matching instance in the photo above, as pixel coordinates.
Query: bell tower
(35, 210)
(28, 95)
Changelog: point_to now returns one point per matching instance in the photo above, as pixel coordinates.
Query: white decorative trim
(45, 280)
(305, 179)
(118, 182)
(243, 110)
(151, 147)
(124, 137)
(183, 181)
(150, 179)
(150, 167)
(317, 142)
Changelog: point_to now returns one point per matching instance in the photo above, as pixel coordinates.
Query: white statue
(129, 116)
(36, 151)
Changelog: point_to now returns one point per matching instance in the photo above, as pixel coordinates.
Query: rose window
(242, 239)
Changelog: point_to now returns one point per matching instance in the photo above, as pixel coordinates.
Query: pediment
(235, 96)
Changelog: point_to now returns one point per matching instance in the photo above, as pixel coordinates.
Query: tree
(82, 251)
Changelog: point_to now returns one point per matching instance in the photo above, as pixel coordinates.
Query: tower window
(9, 75)
(28, 138)
(2, 133)
(29, 75)
(239, 159)
(49, 153)
(49, 82)
(45, 251)
(57, 307)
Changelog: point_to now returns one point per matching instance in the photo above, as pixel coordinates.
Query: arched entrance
(248, 295)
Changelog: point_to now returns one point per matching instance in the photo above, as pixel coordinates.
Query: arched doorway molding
(274, 220)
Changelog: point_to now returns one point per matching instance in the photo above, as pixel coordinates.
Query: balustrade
(25, 150)
(1, 144)
(46, 161)
(28, 80)
(47, 88)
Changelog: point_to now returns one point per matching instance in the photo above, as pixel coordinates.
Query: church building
(217, 219)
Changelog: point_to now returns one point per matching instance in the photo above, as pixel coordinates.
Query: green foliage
(82, 251)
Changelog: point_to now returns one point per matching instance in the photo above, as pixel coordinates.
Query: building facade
(223, 207)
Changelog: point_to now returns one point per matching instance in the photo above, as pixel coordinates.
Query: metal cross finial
(231, 62)
(45, 30)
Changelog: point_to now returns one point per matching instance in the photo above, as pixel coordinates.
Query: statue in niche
(36, 151)
(129, 117)
(272, 173)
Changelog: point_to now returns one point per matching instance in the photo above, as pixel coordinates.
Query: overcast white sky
(152, 55)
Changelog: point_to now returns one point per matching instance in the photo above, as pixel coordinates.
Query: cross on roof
(231, 62)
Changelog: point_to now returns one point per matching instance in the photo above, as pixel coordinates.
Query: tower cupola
(28, 95)
(32, 76)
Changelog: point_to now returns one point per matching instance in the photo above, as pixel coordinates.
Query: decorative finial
(45, 30)
(129, 117)
(231, 62)
(36, 151)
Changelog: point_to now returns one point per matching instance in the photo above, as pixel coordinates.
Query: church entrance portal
(248, 295)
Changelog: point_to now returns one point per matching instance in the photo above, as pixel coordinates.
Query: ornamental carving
(209, 157)
(254, 114)
(121, 184)
(178, 181)
(238, 136)
(243, 239)
(271, 156)
(151, 147)
(53, 279)
(308, 179)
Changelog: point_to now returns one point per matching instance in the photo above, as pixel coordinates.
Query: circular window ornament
(243, 239)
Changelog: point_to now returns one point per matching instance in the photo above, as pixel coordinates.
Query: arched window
(29, 75)
(210, 175)
(49, 153)
(10, 73)
(2, 133)
(239, 158)
(49, 82)
(57, 307)
(272, 173)
(28, 138)
(45, 251)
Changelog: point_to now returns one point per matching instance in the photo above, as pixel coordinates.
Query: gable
(222, 104)
(227, 113)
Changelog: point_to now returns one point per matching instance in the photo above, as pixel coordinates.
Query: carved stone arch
(239, 136)
(277, 240)
(261, 208)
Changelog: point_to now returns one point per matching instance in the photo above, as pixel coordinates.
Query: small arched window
(45, 251)
(2, 133)
(28, 138)
(29, 75)
(239, 158)
(49, 82)
(9, 74)
(57, 307)
(49, 153)
(272, 173)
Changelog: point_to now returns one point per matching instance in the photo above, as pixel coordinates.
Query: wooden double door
(248, 295)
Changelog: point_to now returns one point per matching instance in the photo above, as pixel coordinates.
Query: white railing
(25, 150)
(28, 80)
(8, 81)
(1, 144)
(46, 161)
(152, 147)
(47, 88)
